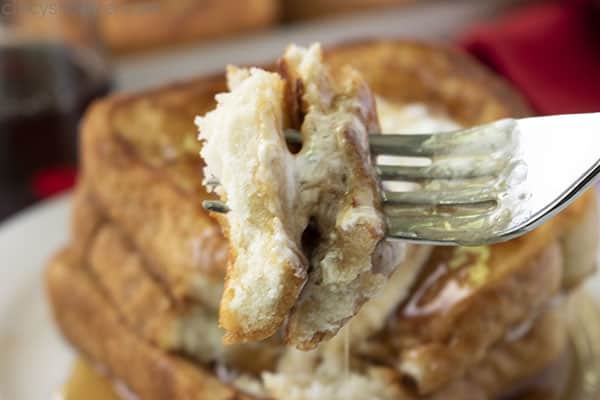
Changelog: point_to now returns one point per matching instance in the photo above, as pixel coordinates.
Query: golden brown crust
(86, 219)
(479, 293)
(141, 300)
(155, 209)
(97, 246)
(121, 274)
(513, 361)
(229, 320)
(462, 337)
(90, 323)
(442, 77)
(522, 359)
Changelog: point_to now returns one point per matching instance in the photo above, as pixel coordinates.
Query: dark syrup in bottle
(44, 90)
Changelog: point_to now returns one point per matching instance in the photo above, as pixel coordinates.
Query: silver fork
(485, 184)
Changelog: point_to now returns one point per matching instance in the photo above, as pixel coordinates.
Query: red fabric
(53, 181)
(551, 52)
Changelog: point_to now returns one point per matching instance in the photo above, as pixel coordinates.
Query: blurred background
(57, 56)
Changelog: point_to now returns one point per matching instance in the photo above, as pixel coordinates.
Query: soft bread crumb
(319, 374)
(245, 152)
(323, 385)
(273, 195)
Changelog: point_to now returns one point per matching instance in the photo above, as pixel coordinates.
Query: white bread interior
(273, 196)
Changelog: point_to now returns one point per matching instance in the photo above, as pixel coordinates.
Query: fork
(484, 184)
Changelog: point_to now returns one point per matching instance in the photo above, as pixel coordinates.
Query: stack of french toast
(125, 26)
(137, 290)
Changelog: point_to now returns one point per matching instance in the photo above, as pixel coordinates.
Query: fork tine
(405, 145)
(481, 139)
(401, 172)
(216, 206)
(481, 182)
(401, 145)
(440, 197)
(484, 139)
(448, 167)
(441, 228)
(407, 210)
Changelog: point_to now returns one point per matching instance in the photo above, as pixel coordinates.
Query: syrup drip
(347, 350)
(85, 383)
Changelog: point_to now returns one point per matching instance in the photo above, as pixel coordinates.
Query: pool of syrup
(85, 383)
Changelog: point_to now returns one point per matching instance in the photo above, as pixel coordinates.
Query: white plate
(34, 359)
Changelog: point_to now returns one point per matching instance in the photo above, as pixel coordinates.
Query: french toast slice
(140, 165)
(146, 306)
(467, 299)
(90, 322)
(123, 274)
(192, 329)
(517, 360)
